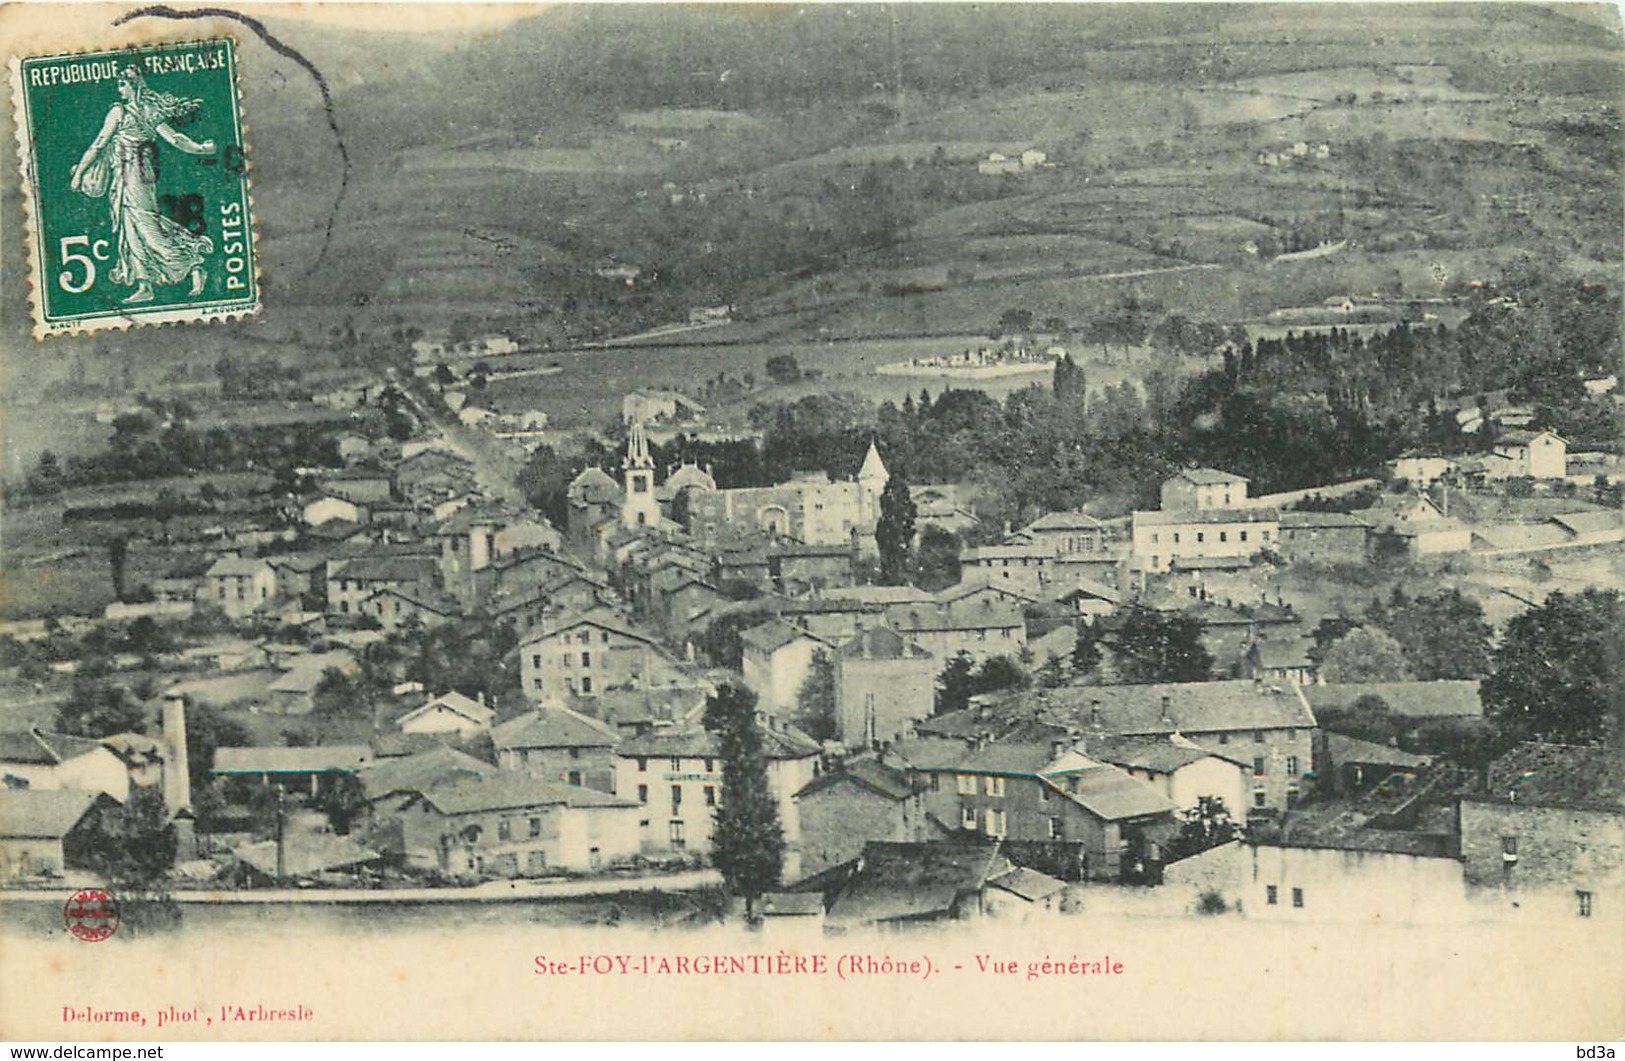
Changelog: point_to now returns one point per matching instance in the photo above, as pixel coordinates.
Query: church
(810, 509)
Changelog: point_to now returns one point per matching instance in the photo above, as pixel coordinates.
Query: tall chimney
(1094, 713)
(177, 774)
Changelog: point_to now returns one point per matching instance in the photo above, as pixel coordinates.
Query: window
(1156, 539)
(1509, 849)
(1272, 894)
(504, 829)
(936, 782)
(643, 765)
(1176, 537)
(536, 660)
(1264, 535)
(1258, 766)
(1201, 536)
(575, 778)
(586, 686)
(1297, 898)
(1043, 793)
(1155, 560)
(967, 784)
(710, 766)
(1584, 899)
(995, 786)
(1258, 798)
(536, 683)
(995, 822)
(1243, 535)
(585, 637)
(1292, 765)
(710, 796)
(676, 763)
(676, 799)
(586, 659)
(1224, 738)
(678, 837)
(1056, 830)
(643, 793)
(967, 818)
(1258, 736)
(575, 753)
(640, 485)
(535, 828)
(1224, 536)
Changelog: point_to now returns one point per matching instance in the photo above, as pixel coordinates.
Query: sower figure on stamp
(122, 164)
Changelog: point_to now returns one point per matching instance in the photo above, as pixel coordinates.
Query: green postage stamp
(135, 175)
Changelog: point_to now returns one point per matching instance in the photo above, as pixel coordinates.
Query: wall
(30, 857)
(1323, 545)
(1279, 786)
(595, 766)
(552, 665)
(838, 820)
(903, 691)
(1157, 545)
(776, 676)
(1560, 851)
(691, 776)
(1351, 886)
(97, 771)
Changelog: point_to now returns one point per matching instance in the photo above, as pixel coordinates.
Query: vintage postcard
(130, 220)
(812, 522)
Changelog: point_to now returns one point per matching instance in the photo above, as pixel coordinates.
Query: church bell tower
(639, 508)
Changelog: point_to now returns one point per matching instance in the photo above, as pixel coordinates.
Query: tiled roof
(1064, 521)
(23, 746)
(65, 747)
(1321, 520)
(229, 566)
(868, 772)
(1162, 518)
(1341, 749)
(984, 615)
(1028, 884)
(505, 790)
(1112, 795)
(438, 766)
(911, 881)
(1442, 699)
(601, 618)
(1563, 774)
(1145, 753)
(49, 815)
(878, 642)
(387, 569)
(1194, 707)
(554, 727)
(1209, 477)
(774, 635)
(306, 854)
(319, 758)
(454, 702)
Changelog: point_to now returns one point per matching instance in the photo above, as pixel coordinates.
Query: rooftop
(505, 790)
(320, 758)
(554, 727)
(45, 815)
(1537, 773)
(1209, 477)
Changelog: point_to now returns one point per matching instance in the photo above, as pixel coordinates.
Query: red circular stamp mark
(91, 915)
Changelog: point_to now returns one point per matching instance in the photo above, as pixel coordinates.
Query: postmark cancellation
(136, 184)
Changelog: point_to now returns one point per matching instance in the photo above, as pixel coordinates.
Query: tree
(937, 559)
(340, 696)
(1443, 634)
(747, 841)
(894, 532)
(1365, 654)
(207, 731)
(98, 709)
(344, 802)
(955, 685)
(998, 673)
(815, 701)
(134, 846)
(1559, 673)
(783, 368)
(1086, 654)
(1148, 647)
(1368, 718)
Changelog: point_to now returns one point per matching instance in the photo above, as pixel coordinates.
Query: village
(413, 680)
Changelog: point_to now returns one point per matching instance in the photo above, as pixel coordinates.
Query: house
(901, 884)
(997, 163)
(389, 781)
(1349, 765)
(658, 406)
(842, 810)
(588, 653)
(37, 761)
(1021, 892)
(1065, 533)
(1418, 525)
(1547, 834)
(239, 585)
(982, 626)
(451, 712)
(1536, 454)
(1421, 470)
(1270, 726)
(350, 583)
(1191, 538)
(883, 685)
(1028, 565)
(182, 580)
(777, 658)
(395, 608)
(516, 825)
(1323, 538)
(305, 856)
(675, 774)
(47, 833)
(330, 507)
(307, 771)
(559, 745)
(294, 692)
(797, 914)
(299, 575)
(1179, 771)
(359, 485)
(811, 509)
(1045, 792)
(1203, 488)
(1361, 877)
(592, 497)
